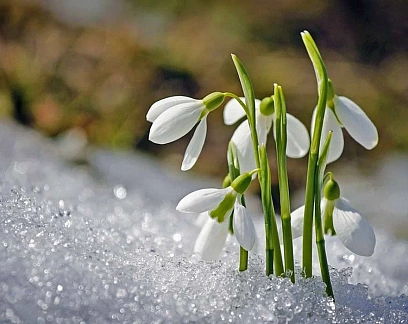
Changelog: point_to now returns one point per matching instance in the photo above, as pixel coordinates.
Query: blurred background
(90, 69)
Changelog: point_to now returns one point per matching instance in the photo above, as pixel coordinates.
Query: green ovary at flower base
(220, 203)
(174, 117)
(298, 136)
(341, 219)
(341, 112)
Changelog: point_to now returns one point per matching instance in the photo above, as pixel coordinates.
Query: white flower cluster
(174, 117)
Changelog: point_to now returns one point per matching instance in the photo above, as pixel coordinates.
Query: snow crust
(103, 243)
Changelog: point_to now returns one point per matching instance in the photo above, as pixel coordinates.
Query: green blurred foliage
(102, 76)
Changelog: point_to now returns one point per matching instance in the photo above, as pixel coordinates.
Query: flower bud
(331, 189)
(267, 106)
(213, 100)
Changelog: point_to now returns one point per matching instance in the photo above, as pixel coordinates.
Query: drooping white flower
(213, 234)
(174, 117)
(218, 201)
(219, 204)
(342, 112)
(244, 229)
(203, 200)
(353, 229)
(211, 239)
(297, 140)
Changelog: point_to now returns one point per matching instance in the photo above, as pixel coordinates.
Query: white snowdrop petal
(211, 239)
(162, 105)
(257, 104)
(243, 141)
(356, 122)
(298, 138)
(297, 217)
(195, 146)
(244, 229)
(233, 111)
(263, 126)
(202, 200)
(323, 204)
(175, 122)
(353, 229)
(330, 123)
(201, 219)
(337, 142)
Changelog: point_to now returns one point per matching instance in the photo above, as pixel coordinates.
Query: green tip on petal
(225, 206)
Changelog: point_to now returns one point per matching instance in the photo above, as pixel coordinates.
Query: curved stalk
(321, 76)
(234, 172)
(321, 248)
(272, 246)
(320, 242)
(281, 143)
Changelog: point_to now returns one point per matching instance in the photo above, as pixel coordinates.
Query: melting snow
(104, 244)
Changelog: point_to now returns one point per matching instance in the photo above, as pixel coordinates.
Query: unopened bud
(267, 106)
(332, 190)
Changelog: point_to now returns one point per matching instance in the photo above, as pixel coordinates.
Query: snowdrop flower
(219, 203)
(341, 112)
(174, 117)
(298, 136)
(211, 239)
(341, 219)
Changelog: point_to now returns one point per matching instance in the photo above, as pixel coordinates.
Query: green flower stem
(272, 244)
(243, 254)
(320, 242)
(308, 217)
(243, 259)
(273, 254)
(252, 125)
(246, 85)
(322, 81)
(281, 143)
(248, 90)
(321, 248)
(242, 104)
(234, 172)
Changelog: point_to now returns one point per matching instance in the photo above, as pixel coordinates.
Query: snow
(103, 243)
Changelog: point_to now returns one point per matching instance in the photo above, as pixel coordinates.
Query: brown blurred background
(97, 65)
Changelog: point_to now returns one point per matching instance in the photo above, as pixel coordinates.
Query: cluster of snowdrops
(325, 211)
